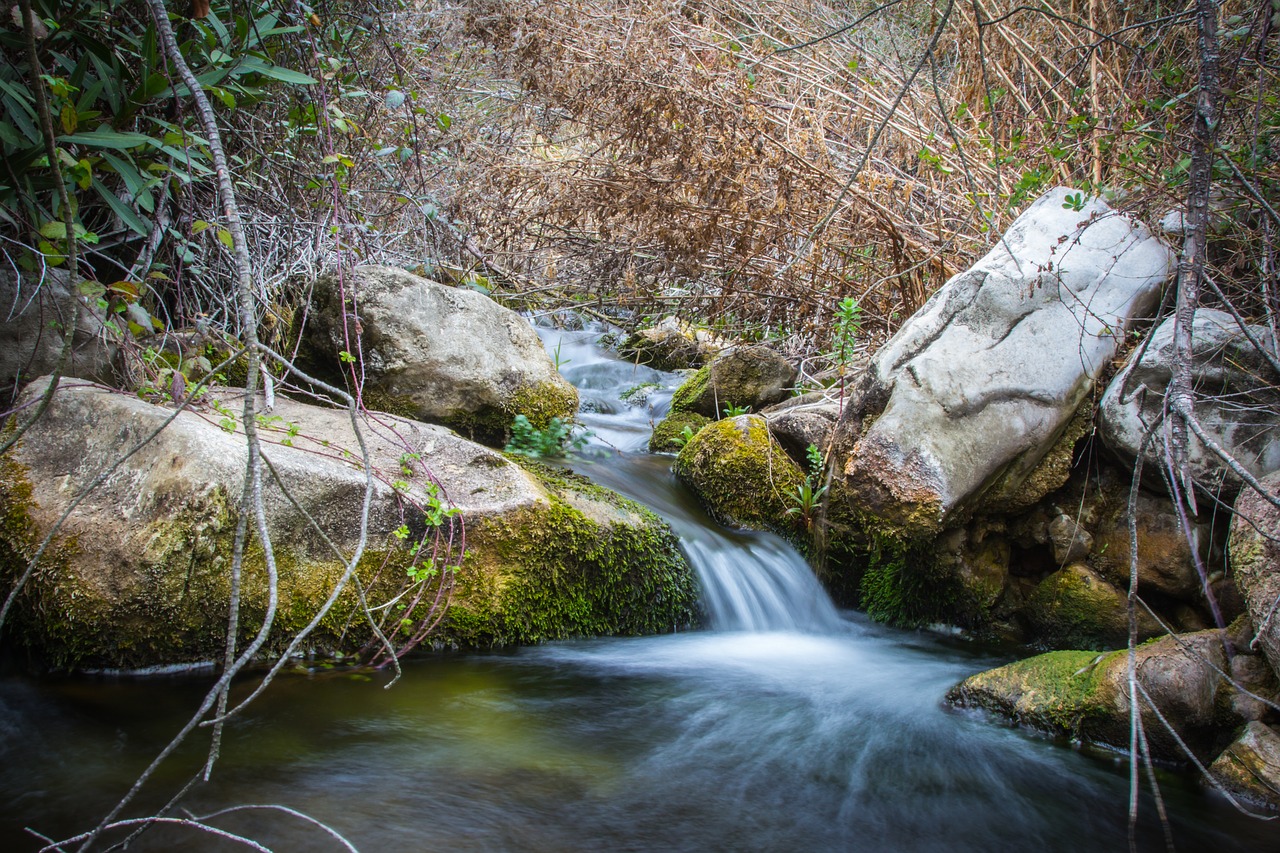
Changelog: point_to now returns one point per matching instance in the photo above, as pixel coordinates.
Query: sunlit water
(800, 729)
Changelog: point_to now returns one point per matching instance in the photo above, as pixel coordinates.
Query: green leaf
(224, 237)
(54, 230)
(109, 139)
(443, 122)
(255, 65)
(127, 214)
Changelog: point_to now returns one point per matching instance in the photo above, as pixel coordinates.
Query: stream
(786, 726)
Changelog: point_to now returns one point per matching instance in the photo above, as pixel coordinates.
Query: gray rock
(753, 376)
(436, 353)
(1071, 542)
(1237, 401)
(667, 346)
(796, 427)
(33, 314)
(138, 575)
(980, 383)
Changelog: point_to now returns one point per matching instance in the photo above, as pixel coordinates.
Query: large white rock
(1237, 400)
(139, 572)
(978, 385)
(437, 353)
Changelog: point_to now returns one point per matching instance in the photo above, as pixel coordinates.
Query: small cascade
(750, 581)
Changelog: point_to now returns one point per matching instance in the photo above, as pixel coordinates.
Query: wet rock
(1255, 563)
(1249, 769)
(982, 382)
(740, 473)
(1071, 542)
(670, 434)
(1237, 401)
(1085, 695)
(436, 353)
(138, 575)
(753, 376)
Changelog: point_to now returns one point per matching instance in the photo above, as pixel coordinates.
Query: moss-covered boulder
(1249, 768)
(139, 573)
(669, 435)
(1075, 608)
(741, 474)
(1084, 695)
(753, 376)
(435, 353)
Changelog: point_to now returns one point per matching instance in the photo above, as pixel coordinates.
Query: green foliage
(848, 326)
(902, 585)
(556, 441)
(732, 411)
(1075, 201)
(123, 153)
(807, 497)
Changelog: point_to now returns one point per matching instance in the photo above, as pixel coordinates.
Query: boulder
(138, 574)
(33, 314)
(753, 376)
(1237, 401)
(1254, 549)
(983, 381)
(436, 353)
(1249, 769)
(1085, 695)
(1075, 608)
(669, 435)
(667, 346)
(740, 473)
(809, 420)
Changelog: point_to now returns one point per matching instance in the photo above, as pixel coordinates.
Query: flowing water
(787, 727)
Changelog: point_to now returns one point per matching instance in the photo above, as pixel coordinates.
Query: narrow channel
(786, 726)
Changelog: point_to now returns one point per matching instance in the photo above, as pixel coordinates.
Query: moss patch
(542, 402)
(668, 435)
(1058, 692)
(1075, 608)
(902, 585)
(741, 474)
(553, 572)
(692, 390)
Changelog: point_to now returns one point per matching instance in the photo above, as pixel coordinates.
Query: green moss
(902, 585)
(401, 405)
(553, 572)
(1059, 692)
(1074, 608)
(691, 391)
(741, 474)
(542, 402)
(668, 435)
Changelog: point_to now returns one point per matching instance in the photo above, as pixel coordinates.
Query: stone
(1254, 549)
(1237, 402)
(669, 435)
(667, 346)
(1076, 608)
(741, 474)
(138, 574)
(1071, 542)
(981, 383)
(810, 421)
(1084, 695)
(436, 353)
(1166, 559)
(1249, 769)
(33, 314)
(753, 376)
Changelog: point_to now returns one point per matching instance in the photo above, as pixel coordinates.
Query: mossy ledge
(1058, 693)
(556, 571)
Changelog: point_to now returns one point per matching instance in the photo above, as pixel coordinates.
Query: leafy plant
(686, 435)
(1074, 201)
(807, 497)
(556, 441)
(732, 411)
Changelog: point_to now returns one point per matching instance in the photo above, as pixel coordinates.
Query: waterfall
(750, 581)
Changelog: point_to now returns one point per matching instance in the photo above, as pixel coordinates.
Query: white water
(750, 582)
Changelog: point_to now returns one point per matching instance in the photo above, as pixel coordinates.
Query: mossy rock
(668, 436)
(1250, 767)
(741, 474)
(139, 575)
(1059, 693)
(751, 376)
(1075, 608)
